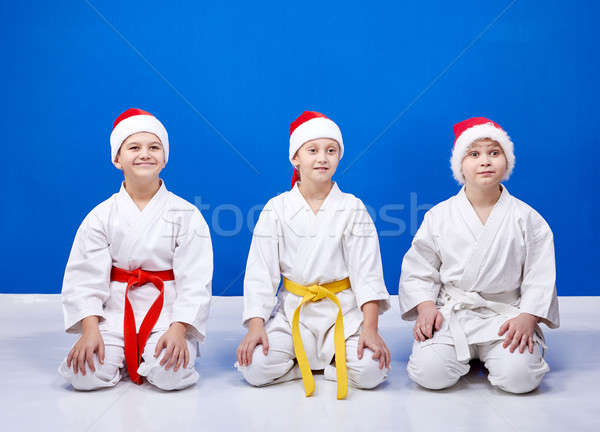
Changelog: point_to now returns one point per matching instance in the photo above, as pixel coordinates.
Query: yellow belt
(315, 293)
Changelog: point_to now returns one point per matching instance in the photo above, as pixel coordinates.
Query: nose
(144, 153)
(322, 159)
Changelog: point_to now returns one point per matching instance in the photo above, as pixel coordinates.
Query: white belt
(457, 299)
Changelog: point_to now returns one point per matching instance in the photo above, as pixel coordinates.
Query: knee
(518, 374)
(169, 379)
(432, 370)
(257, 372)
(365, 373)
(105, 375)
(84, 382)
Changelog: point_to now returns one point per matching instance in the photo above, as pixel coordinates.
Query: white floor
(34, 397)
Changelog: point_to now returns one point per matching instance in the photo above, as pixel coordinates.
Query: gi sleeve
(263, 273)
(86, 283)
(538, 288)
(193, 269)
(420, 274)
(363, 259)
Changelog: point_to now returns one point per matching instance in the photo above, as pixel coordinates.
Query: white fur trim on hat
(135, 124)
(466, 139)
(319, 127)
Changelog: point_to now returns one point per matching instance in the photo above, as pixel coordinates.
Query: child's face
(317, 159)
(141, 156)
(484, 164)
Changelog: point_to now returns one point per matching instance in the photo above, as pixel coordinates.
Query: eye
(155, 147)
(311, 150)
(494, 152)
(473, 153)
(134, 147)
(332, 150)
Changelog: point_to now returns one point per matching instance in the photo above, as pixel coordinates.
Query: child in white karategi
(323, 244)
(480, 274)
(137, 285)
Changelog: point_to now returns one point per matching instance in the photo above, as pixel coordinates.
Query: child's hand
(89, 343)
(256, 336)
(519, 332)
(369, 338)
(429, 318)
(177, 350)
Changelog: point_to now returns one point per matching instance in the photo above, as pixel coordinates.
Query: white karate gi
(480, 276)
(291, 240)
(169, 233)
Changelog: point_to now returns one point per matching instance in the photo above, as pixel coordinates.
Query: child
(480, 274)
(138, 281)
(324, 244)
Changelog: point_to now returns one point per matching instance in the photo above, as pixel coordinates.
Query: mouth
(323, 169)
(486, 173)
(144, 164)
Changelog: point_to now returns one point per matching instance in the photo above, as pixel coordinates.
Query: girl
(324, 245)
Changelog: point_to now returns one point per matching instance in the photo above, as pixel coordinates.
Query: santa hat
(470, 130)
(136, 120)
(309, 126)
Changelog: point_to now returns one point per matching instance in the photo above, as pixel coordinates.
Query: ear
(116, 161)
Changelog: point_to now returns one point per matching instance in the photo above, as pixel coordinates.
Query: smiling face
(484, 164)
(317, 160)
(141, 157)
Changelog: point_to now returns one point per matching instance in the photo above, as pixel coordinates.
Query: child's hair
(478, 140)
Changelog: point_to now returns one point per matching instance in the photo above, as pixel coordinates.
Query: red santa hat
(136, 120)
(470, 130)
(308, 126)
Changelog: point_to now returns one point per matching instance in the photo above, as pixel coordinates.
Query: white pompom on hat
(132, 121)
(470, 130)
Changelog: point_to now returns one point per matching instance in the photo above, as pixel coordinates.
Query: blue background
(227, 79)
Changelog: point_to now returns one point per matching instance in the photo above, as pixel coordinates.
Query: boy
(137, 285)
(480, 274)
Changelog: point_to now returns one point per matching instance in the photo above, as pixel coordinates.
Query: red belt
(134, 342)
